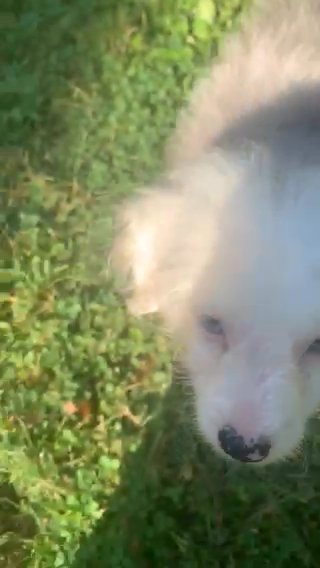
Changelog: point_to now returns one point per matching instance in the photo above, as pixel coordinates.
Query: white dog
(226, 246)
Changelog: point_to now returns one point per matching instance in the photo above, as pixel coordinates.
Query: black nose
(235, 446)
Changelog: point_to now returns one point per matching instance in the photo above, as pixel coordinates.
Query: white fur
(233, 231)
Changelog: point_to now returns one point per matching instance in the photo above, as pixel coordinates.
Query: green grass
(99, 464)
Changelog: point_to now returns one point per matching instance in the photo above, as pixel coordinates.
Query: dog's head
(228, 252)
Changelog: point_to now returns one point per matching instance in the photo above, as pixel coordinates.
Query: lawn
(99, 464)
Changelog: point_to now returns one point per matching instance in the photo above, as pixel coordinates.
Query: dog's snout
(233, 444)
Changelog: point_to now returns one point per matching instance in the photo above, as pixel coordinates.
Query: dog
(225, 246)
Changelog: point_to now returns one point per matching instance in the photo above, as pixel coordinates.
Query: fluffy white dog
(226, 246)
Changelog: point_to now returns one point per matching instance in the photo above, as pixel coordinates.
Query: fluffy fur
(232, 231)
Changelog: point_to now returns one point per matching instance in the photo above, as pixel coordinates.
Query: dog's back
(266, 86)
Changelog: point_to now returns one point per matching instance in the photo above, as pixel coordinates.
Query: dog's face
(231, 258)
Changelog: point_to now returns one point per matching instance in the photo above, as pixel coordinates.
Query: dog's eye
(211, 325)
(314, 348)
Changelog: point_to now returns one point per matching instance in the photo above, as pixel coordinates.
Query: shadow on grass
(16, 529)
(179, 505)
(45, 48)
(60, 64)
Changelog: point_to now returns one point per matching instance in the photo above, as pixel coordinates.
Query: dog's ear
(141, 237)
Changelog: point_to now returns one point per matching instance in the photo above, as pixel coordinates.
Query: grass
(100, 466)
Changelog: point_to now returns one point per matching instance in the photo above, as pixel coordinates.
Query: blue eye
(211, 325)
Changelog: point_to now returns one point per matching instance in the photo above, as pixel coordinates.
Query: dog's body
(227, 246)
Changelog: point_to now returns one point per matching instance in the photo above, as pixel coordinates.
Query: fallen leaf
(70, 408)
